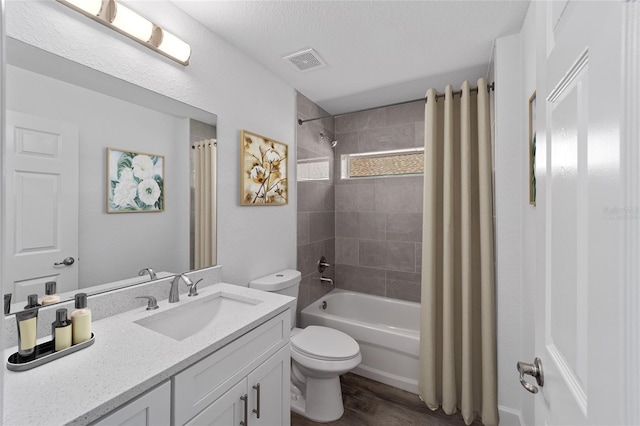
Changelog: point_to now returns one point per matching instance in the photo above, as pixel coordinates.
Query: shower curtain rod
(490, 87)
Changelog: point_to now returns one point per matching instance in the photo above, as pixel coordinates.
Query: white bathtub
(388, 331)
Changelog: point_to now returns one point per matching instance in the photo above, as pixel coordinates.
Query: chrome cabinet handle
(534, 370)
(257, 411)
(68, 261)
(246, 413)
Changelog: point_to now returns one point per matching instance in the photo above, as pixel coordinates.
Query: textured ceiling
(377, 52)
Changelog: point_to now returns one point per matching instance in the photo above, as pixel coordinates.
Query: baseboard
(510, 417)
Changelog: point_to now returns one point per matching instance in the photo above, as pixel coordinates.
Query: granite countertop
(126, 360)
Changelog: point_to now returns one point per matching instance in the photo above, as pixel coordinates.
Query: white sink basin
(186, 320)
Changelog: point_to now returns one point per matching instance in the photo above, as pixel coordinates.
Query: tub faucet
(150, 271)
(173, 292)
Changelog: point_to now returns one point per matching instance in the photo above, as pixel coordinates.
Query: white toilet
(319, 355)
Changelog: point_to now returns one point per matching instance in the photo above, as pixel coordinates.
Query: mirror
(61, 119)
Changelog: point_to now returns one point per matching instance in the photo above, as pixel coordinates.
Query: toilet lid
(325, 343)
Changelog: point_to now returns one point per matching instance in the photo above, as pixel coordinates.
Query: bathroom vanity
(232, 369)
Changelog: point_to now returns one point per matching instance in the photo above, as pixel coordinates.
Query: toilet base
(321, 400)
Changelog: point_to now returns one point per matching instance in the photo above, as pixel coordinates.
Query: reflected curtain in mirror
(205, 212)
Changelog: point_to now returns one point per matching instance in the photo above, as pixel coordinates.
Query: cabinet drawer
(152, 408)
(204, 382)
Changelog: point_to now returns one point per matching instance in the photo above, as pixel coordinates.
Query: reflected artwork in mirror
(61, 118)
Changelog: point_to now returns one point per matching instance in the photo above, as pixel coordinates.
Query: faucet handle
(193, 289)
(152, 303)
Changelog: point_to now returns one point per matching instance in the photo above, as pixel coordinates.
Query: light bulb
(173, 46)
(131, 23)
(92, 7)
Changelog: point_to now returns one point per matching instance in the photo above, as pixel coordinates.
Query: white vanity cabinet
(250, 375)
(152, 408)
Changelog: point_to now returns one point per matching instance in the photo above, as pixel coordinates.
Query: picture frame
(532, 149)
(135, 182)
(263, 171)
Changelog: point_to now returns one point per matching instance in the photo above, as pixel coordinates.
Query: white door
(579, 279)
(41, 205)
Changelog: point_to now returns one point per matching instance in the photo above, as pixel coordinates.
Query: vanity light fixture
(125, 21)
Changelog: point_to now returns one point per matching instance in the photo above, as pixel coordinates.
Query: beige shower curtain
(205, 211)
(458, 314)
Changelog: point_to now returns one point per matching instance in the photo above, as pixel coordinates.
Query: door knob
(534, 370)
(66, 262)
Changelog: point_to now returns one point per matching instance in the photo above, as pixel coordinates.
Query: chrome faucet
(150, 271)
(173, 292)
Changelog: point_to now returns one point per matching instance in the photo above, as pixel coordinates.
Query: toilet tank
(284, 282)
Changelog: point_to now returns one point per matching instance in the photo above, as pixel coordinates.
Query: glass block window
(313, 169)
(400, 162)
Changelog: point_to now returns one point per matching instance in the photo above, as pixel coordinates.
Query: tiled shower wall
(316, 206)
(378, 221)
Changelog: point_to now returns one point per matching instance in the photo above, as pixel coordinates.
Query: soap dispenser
(81, 319)
(50, 294)
(61, 330)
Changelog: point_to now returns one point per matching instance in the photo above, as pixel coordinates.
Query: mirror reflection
(61, 118)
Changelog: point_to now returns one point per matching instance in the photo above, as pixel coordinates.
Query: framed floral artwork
(263, 168)
(135, 182)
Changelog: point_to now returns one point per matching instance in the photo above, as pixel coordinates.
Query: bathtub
(387, 331)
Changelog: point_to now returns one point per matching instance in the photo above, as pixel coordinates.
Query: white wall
(515, 236)
(115, 246)
(251, 240)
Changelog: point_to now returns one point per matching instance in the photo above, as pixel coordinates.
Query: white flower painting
(264, 171)
(135, 182)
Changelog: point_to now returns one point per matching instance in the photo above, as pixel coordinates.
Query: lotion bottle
(50, 294)
(81, 320)
(27, 331)
(61, 330)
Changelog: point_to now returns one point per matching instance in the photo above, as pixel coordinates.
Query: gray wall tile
(360, 225)
(407, 113)
(322, 226)
(308, 256)
(355, 198)
(404, 227)
(399, 256)
(357, 278)
(399, 194)
(403, 285)
(419, 258)
(396, 137)
(347, 250)
(365, 120)
(315, 196)
(303, 229)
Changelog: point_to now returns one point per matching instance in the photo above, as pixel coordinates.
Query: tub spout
(326, 280)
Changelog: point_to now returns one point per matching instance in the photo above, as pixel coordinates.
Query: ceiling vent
(305, 60)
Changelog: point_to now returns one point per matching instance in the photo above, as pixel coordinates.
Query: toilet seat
(325, 344)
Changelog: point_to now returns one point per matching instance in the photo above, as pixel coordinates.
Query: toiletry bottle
(27, 331)
(32, 301)
(50, 294)
(61, 330)
(81, 320)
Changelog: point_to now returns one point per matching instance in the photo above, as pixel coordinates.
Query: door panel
(578, 276)
(41, 223)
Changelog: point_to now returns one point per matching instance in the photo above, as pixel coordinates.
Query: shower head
(332, 142)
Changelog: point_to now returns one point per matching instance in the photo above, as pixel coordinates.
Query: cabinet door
(152, 408)
(269, 393)
(228, 410)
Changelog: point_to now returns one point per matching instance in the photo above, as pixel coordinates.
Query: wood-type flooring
(370, 403)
